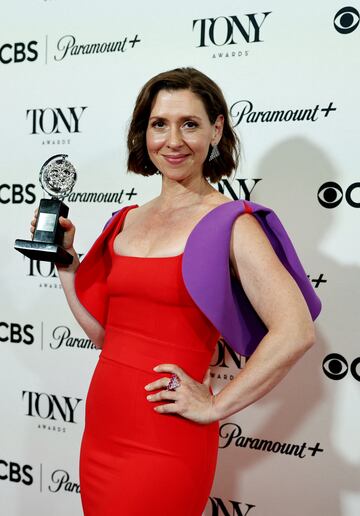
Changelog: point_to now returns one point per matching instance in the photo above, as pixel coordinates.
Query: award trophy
(57, 178)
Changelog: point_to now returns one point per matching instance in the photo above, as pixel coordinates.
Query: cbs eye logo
(335, 367)
(346, 20)
(331, 194)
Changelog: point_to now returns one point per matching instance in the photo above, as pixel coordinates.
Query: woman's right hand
(69, 233)
(33, 222)
(68, 239)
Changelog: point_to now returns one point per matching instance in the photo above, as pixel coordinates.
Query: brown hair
(214, 103)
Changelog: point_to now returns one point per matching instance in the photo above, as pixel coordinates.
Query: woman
(156, 291)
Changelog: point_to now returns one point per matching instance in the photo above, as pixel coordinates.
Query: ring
(174, 383)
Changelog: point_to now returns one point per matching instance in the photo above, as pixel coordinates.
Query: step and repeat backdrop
(70, 73)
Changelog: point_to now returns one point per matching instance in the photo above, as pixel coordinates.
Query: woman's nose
(174, 137)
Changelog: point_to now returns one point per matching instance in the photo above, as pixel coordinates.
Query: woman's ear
(218, 129)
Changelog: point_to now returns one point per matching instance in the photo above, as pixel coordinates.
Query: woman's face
(179, 133)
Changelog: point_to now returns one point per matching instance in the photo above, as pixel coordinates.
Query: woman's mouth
(175, 159)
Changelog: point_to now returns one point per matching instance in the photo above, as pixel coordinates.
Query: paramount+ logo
(18, 52)
(62, 337)
(60, 481)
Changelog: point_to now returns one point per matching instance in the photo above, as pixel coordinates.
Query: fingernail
(149, 397)
(155, 368)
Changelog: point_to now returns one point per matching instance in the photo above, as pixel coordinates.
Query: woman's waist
(168, 322)
(143, 352)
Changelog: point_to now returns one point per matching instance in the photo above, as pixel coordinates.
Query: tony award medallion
(57, 178)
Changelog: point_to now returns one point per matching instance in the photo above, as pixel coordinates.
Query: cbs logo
(15, 472)
(17, 193)
(18, 52)
(16, 333)
(336, 367)
(330, 195)
(346, 20)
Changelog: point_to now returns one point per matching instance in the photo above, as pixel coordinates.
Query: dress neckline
(127, 256)
(147, 257)
(121, 221)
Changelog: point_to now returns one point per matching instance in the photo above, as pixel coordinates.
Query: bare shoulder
(217, 199)
(249, 241)
(247, 226)
(138, 213)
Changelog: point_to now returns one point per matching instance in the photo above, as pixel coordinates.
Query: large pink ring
(174, 383)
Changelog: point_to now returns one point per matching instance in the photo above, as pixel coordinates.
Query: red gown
(133, 460)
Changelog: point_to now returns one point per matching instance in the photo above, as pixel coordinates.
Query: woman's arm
(277, 299)
(88, 323)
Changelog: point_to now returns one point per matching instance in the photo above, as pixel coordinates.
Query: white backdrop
(59, 96)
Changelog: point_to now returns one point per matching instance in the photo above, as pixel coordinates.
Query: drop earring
(214, 152)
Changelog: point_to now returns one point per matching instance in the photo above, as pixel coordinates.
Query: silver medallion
(58, 176)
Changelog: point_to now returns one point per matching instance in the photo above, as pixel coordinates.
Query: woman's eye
(158, 124)
(190, 124)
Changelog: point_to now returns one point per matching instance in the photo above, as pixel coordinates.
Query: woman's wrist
(73, 266)
(216, 408)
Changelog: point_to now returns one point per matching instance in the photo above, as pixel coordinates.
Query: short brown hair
(214, 103)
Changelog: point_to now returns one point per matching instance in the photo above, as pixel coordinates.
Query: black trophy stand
(48, 235)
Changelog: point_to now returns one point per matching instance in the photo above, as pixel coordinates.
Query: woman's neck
(180, 194)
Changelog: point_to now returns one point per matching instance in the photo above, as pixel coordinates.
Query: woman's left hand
(192, 400)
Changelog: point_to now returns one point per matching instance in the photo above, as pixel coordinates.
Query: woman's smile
(175, 159)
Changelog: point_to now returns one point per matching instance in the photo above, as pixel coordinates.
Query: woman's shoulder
(248, 224)
(247, 237)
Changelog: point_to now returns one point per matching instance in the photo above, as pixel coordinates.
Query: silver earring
(214, 152)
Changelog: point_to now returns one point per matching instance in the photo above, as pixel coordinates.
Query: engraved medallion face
(58, 176)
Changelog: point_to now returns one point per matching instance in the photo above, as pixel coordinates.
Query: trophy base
(43, 251)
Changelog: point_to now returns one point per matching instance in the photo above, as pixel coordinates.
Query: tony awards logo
(57, 178)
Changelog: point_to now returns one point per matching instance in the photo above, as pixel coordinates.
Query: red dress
(133, 460)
